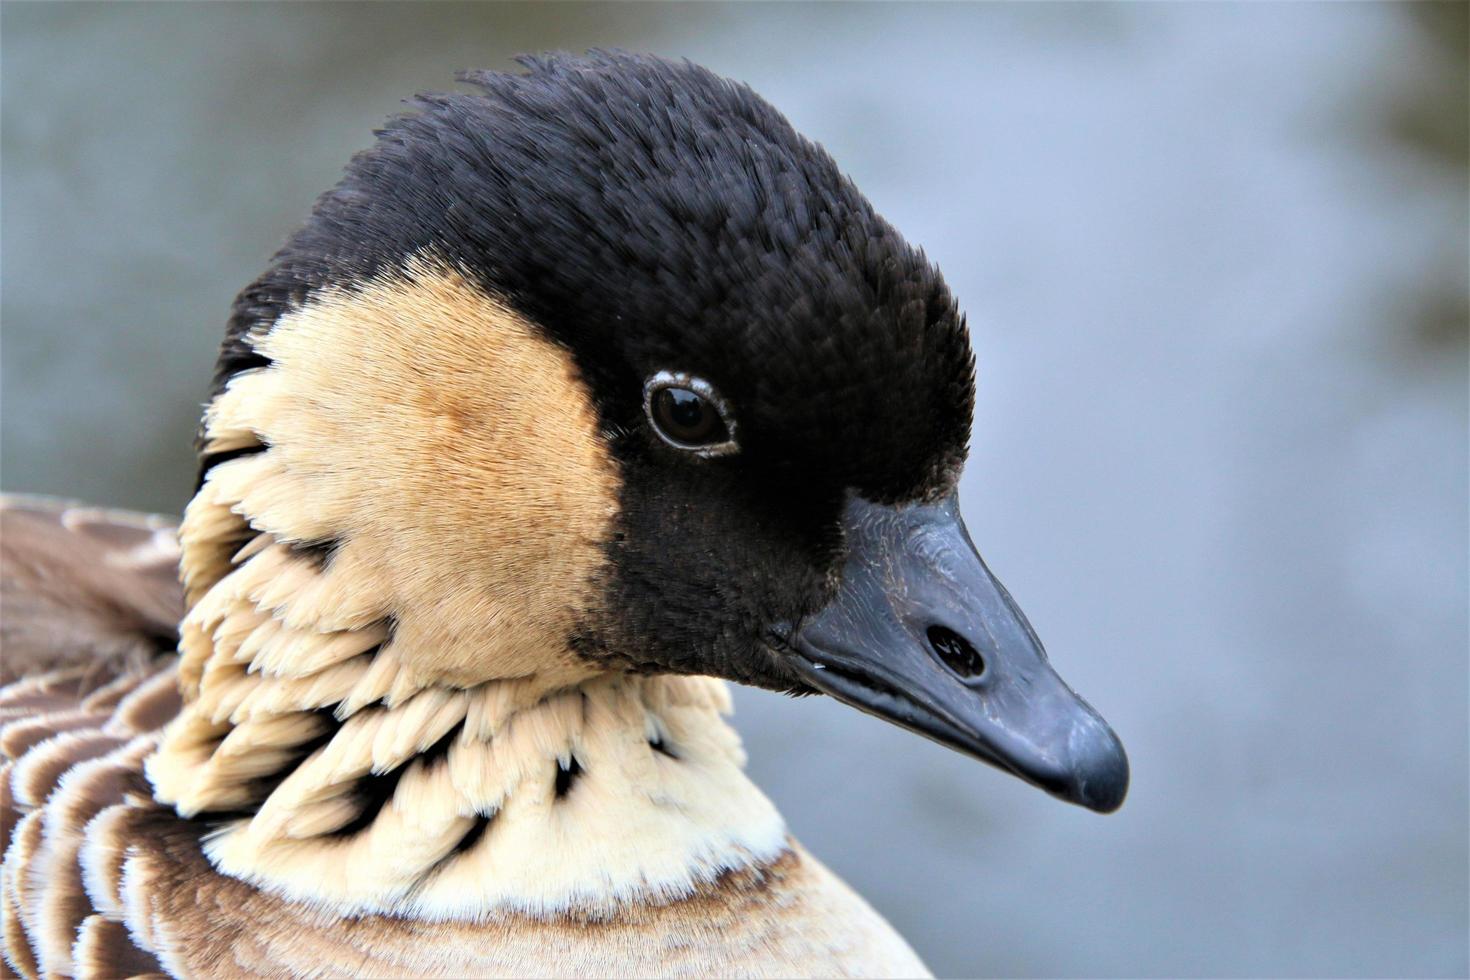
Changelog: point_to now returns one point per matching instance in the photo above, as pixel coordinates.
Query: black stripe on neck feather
(374, 790)
(208, 461)
(566, 774)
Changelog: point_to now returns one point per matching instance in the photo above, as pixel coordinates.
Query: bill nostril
(956, 652)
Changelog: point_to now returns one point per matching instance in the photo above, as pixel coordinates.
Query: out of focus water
(1214, 259)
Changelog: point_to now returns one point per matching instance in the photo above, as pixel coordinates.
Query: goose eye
(687, 413)
(686, 418)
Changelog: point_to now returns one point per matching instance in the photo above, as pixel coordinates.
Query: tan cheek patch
(453, 455)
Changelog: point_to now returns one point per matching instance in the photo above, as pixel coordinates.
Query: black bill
(921, 634)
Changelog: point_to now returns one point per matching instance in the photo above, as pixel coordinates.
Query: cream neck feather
(400, 728)
(345, 783)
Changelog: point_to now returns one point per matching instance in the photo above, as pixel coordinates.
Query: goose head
(604, 368)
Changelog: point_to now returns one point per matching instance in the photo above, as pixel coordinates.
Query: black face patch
(652, 217)
(705, 560)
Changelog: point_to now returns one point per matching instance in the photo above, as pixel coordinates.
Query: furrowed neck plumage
(381, 709)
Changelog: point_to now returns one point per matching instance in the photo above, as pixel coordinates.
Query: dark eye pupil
(686, 417)
(686, 409)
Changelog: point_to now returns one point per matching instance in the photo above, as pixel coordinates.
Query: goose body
(576, 398)
(101, 881)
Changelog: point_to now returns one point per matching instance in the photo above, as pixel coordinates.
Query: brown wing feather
(84, 589)
(91, 603)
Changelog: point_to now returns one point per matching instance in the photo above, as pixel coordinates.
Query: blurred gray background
(1214, 260)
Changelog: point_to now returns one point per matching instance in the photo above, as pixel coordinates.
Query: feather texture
(100, 880)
